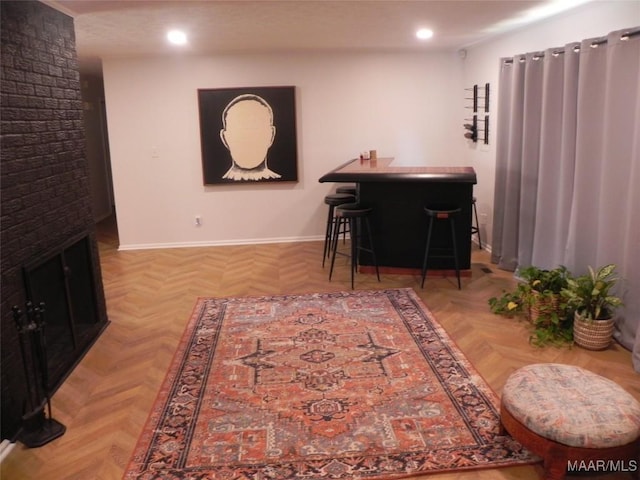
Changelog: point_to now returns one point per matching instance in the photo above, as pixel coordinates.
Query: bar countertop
(384, 170)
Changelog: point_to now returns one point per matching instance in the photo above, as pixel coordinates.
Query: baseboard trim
(248, 241)
(221, 243)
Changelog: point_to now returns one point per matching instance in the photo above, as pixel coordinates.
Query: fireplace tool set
(38, 427)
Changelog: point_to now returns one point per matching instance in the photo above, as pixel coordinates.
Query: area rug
(348, 385)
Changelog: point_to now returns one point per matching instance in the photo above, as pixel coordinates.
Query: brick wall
(45, 196)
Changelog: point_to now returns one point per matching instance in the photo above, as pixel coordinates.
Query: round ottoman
(571, 417)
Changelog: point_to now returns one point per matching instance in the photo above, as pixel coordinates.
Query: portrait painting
(248, 135)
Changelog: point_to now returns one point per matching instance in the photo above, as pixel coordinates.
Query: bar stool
(353, 216)
(436, 213)
(350, 189)
(476, 229)
(333, 200)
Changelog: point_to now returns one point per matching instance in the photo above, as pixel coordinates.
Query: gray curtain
(568, 164)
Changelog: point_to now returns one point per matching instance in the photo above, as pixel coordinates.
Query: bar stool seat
(350, 189)
(437, 213)
(333, 200)
(355, 217)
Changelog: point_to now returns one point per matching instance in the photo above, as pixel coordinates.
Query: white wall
(481, 65)
(403, 105)
(409, 106)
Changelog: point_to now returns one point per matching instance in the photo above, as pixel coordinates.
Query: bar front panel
(398, 195)
(399, 222)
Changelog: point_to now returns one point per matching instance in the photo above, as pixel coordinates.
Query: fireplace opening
(64, 280)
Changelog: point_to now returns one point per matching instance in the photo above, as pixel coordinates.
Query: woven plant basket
(592, 334)
(540, 306)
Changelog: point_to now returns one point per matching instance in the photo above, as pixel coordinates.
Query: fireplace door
(64, 281)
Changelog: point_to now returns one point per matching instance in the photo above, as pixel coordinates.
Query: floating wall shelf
(476, 128)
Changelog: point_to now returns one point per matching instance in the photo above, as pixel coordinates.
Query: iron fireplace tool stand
(38, 427)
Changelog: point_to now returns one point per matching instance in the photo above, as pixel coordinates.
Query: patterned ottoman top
(572, 406)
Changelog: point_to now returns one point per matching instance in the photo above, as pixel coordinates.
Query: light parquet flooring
(150, 294)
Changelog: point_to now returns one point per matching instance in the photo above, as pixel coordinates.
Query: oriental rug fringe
(347, 385)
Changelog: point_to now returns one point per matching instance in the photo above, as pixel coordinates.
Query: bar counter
(398, 194)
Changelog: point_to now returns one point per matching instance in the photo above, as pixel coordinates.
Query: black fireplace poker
(38, 426)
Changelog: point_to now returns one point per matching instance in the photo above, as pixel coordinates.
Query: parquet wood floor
(150, 294)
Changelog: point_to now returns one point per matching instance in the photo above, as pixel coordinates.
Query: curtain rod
(594, 44)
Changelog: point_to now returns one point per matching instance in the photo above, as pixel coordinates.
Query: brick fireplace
(49, 249)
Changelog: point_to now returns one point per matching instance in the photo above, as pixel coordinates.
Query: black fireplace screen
(64, 281)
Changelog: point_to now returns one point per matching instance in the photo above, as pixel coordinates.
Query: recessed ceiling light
(424, 33)
(177, 37)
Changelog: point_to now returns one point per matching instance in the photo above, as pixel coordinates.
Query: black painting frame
(218, 165)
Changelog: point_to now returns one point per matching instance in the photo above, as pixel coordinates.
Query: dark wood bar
(398, 195)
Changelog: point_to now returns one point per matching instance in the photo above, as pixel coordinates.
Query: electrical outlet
(198, 221)
(483, 218)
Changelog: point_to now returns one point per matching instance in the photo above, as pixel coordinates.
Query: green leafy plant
(537, 295)
(535, 281)
(509, 303)
(590, 294)
(542, 280)
(552, 326)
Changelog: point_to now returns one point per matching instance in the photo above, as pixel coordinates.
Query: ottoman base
(557, 456)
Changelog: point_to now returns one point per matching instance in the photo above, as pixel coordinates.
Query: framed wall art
(248, 135)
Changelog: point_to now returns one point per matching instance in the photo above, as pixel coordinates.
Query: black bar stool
(436, 213)
(355, 217)
(333, 200)
(350, 189)
(476, 229)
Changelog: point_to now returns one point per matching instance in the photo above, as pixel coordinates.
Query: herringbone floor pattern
(105, 401)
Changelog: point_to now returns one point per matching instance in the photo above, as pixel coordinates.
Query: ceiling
(138, 27)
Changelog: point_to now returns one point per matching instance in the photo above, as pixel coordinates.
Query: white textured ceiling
(138, 27)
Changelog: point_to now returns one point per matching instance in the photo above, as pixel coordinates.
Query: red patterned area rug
(348, 385)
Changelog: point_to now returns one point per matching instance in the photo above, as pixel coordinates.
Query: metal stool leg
(328, 236)
(426, 252)
(371, 247)
(355, 241)
(334, 243)
(476, 229)
(455, 248)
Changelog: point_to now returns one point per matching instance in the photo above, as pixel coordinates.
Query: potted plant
(590, 297)
(542, 288)
(538, 297)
